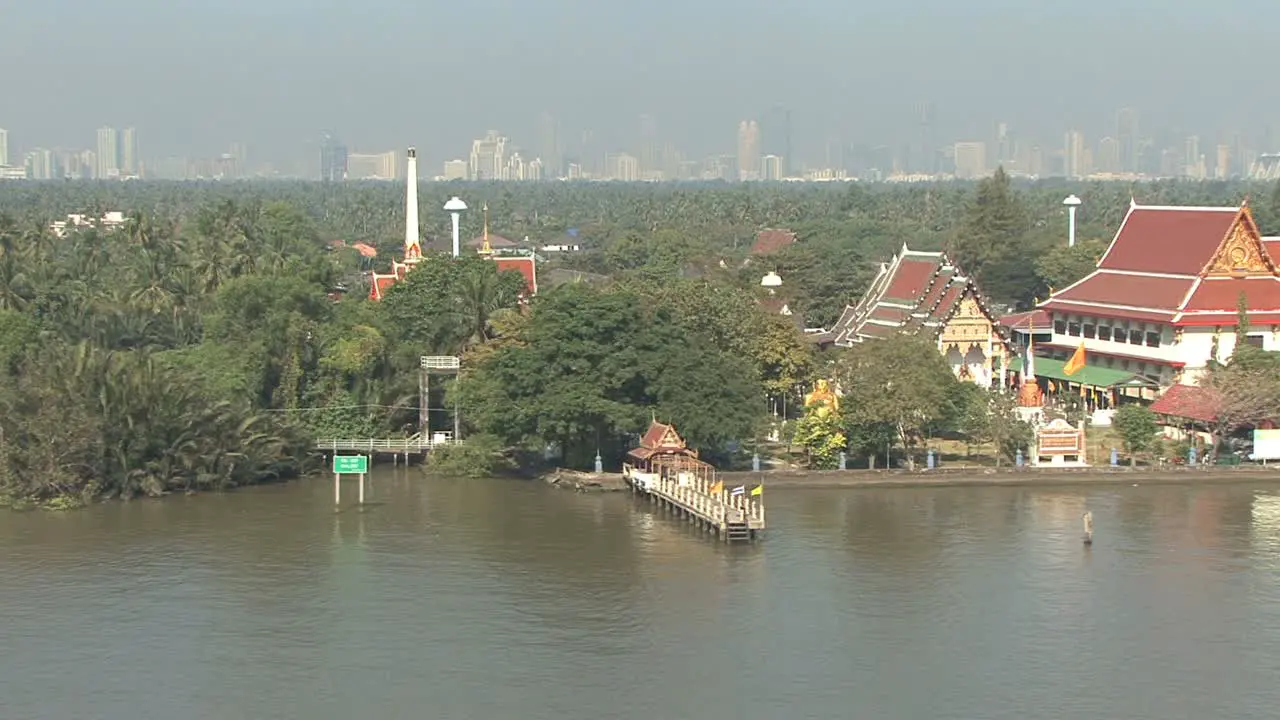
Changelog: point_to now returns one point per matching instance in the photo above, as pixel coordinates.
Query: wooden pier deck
(702, 501)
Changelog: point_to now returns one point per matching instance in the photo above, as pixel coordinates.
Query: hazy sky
(193, 76)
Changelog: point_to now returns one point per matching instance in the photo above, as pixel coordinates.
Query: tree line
(198, 346)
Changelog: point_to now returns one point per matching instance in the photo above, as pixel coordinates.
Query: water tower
(454, 207)
(1072, 202)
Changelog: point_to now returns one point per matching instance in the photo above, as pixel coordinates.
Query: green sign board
(350, 464)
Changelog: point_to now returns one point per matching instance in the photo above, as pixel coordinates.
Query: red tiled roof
(1208, 319)
(952, 296)
(365, 249)
(525, 265)
(1110, 311)
(886, 313)
(1135, 291)
(1038, 319)
(1186, 401)
(772, 240)
(1173, 240)
(941, 281)
(1222, 293)
(911, 279)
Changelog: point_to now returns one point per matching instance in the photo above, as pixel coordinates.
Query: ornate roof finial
(486, 249)
(1133, 202)
(1244, 203)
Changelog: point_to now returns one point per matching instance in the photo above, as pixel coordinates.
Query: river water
(498, 599)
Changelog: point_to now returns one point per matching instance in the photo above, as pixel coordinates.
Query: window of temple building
(1254, 340)
(1089, 330)
(1104, 332)
(1073, 329)
(1060, 327)
(1135, 337)
(1153, 339)
(1119, 335)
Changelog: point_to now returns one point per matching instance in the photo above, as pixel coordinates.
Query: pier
(668, 473)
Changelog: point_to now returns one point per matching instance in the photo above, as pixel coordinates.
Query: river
(500, 599)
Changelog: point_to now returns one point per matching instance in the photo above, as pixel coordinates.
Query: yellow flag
(716, 487)
(757, 490)
(1076, 363)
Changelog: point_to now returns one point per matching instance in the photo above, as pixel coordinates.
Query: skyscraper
(333, 159)
(1073, 155)
(775, 137)
(928, 147)
(549, 145)
(748, 150)
(1127, 137)
(650, 152)
(4, 147)
(488, 157)
(129, 152)
(108, 153)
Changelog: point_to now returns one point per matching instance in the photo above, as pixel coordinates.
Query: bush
(479, 456)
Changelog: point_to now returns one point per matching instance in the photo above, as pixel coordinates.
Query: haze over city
(273, 79)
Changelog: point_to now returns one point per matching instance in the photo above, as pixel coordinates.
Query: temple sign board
(1060, 443)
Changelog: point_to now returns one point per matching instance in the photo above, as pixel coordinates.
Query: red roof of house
(1186, 401)
(495, 241)
(523, 264)
(914, 292)
(772, 240)
(1185, 265)
(661, 438)
(365, 249)
(380, 284)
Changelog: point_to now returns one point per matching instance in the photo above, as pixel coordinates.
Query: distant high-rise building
(1108, 156)
(1193, 160)
(129, 164)
(456, 170)
(775, 136)
(1222, 168)
(1004, 145)
(40, 164)
(373, 166)
(971, 160)
(4, 147)
(108, 153)
(927, 148)
(748, 150)
(649, 150)
(549, 145)
(1074, 164)
(488, 157)
(1129, 141)
(333, 159)
(771, 167)
(623, 166)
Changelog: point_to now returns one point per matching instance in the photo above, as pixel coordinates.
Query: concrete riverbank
(1013, 476)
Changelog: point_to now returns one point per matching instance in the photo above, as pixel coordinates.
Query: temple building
(1163, 299)
(923, 293)
(379, 283)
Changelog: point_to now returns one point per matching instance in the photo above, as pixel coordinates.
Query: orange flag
(1076, 362)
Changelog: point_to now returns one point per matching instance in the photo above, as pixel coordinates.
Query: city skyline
(753, 148)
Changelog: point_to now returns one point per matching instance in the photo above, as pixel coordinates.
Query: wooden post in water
(361, 488)
(337, 489)
(1088, 527)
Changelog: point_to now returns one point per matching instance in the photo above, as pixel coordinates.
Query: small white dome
(771, 280)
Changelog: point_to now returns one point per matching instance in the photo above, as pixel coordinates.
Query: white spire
(412, 247)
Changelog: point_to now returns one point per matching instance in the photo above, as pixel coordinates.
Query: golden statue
(823, 399)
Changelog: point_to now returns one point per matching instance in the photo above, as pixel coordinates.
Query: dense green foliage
(196, 346)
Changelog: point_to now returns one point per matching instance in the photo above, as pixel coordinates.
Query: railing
(721, 508)
(440, 362)
(414, 444)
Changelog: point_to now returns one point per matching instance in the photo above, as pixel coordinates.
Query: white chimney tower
(412, 248)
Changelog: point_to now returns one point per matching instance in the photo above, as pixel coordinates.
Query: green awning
(1088, 375)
